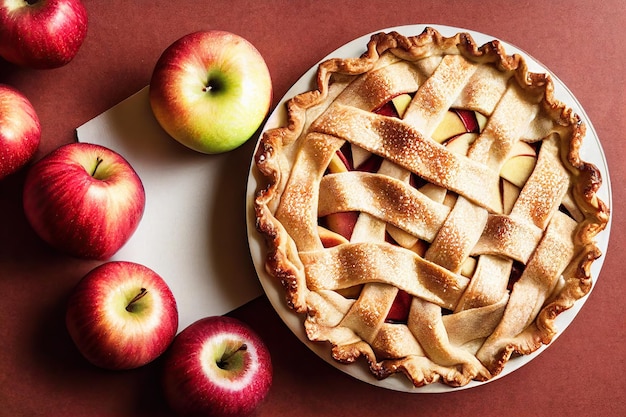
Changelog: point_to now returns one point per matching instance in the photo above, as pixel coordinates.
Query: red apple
(122, 315)
(20, 130)
(84, 199)
(451, 125)
(387, 109)
(330, 238)
(342, 222)
(461, 143)
(468, 117)
(520, 164)
(41, 33)
(399, 311)
(401, 103)
(338, 163)
(217, 366)
(211, 91)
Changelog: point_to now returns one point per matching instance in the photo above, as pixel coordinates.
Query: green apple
(211, 90)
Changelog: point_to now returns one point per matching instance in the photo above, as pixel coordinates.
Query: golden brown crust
(429, 347)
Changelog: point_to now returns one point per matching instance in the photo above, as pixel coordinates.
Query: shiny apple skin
(195, 385)
(84, 215)
(112, 336)
(211, 90)
(42, 35)
(20, 130)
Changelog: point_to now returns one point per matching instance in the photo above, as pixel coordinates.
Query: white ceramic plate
(591, 152)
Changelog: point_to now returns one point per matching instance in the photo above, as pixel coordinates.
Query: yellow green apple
(211, 90)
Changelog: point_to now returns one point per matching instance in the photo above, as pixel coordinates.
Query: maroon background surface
(42, 374)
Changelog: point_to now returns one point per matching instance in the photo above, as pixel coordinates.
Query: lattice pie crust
(422, 256)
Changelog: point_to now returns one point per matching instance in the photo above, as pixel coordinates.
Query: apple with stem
(217, 366)
(41, 34)
(211, 90)
(121, 315)
(20, 130)
(84, 199)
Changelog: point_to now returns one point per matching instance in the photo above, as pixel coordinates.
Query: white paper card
(193, 231)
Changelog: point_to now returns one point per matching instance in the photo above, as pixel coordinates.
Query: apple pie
(426, 208)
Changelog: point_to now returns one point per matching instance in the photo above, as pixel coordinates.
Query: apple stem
(98, 162)
(213, 85)
(224, 360)
(139, 296)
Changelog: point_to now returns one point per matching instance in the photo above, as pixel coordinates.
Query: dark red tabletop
(41, 372)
